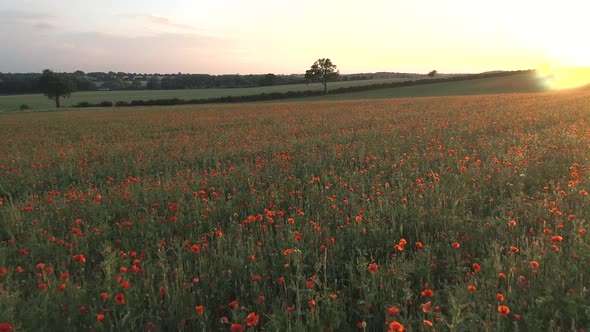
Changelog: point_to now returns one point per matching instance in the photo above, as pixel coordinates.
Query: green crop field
(526, 82)
(465, 213)
(40, 102)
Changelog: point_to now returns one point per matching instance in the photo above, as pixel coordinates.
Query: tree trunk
(325, 88)
(57, 101)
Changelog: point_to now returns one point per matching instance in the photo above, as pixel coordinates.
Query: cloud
(20, 19)
(44, 26)
(96, 51)
(22, 15)
(169, 23)
(117, 44)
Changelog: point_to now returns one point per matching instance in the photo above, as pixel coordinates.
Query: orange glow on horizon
(563, 78)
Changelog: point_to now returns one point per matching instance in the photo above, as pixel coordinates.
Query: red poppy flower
(236, 328)
(79, 258)
(173, 207)
(120, 299)
(252, 319)
(6, 327)
(393, 311)
(503, 310)
(476, 267)
(396, 326)
(373, 267)
(426, 307)
(199, 309)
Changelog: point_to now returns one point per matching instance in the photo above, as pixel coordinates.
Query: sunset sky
(287, 36)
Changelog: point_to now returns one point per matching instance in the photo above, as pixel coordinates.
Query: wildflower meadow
(426, 214)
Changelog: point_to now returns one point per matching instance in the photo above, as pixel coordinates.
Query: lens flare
(563, 78)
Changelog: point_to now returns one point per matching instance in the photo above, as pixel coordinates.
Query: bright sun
(568, 63)
(563, 78)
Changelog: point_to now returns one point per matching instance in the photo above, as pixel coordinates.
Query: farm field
(522, 83)
(40, 102)
(465, 213)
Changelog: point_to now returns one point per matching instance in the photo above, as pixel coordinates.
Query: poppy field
(427, 214)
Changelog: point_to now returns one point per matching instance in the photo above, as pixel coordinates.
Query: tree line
(60, 85)
(292, 94)
(21, 83)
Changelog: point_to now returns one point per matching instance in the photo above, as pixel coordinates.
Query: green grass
(317, 216)
(40, 102)
(521, 83)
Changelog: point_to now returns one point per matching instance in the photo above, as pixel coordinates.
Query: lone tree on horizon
(323, 70)
(56, 85)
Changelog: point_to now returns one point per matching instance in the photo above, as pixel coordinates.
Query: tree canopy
(323, 70)
(56, 85)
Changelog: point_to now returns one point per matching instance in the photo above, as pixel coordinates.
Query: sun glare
(563, 78)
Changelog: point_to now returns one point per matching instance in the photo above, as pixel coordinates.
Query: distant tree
(114, 84)
(56, 85)
(83, 84)
(153, 83)
(136, 84)
(322, 71)
(268, 80)
(432, 73)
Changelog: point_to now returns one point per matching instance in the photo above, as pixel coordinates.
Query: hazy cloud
(169, 23)
(20, 18)
(24, 16)
(44, 26)
(163, 41)
(96, 51)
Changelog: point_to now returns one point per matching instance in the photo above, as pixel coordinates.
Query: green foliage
(322, 71)
(56, 85)
(24, 107)
(377, 88)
